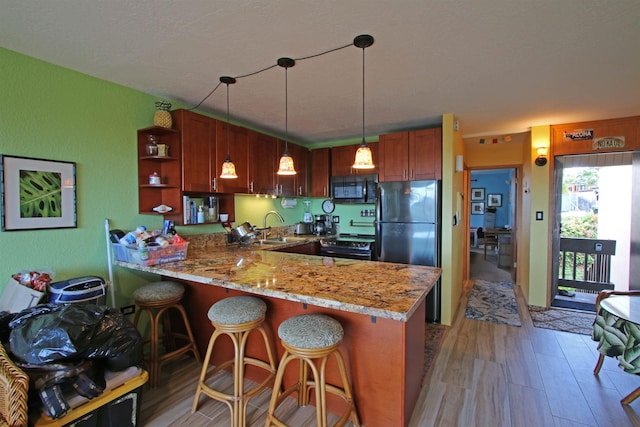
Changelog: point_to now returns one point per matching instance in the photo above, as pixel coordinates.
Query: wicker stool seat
(156, 299)
(236, 317)
(308, 337)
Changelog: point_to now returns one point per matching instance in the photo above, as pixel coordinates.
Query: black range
(352, 246)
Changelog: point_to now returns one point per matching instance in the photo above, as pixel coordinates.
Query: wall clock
(328, 206)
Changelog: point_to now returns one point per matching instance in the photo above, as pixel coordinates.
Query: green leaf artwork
(40, 194)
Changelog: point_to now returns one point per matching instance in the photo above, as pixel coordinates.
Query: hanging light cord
(286, 112)
(270, 67)
(228, 145)
(363, 140)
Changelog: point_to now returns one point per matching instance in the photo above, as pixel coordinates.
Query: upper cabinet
(204, 149)
(320, 172)
(238, 146)
(263, 163)
(410, 156)
(293, 185)
(158, 169)
(198, 151)
(342, 159)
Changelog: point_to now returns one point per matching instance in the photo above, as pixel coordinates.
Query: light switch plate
(539, 216)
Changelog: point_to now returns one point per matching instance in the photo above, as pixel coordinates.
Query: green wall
(54, 113)
(51, 112)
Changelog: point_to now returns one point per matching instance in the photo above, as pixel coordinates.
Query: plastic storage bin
(156, 254)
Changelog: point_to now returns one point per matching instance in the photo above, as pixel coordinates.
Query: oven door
(337, 252)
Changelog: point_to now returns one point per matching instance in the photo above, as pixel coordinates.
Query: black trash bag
(50, 333)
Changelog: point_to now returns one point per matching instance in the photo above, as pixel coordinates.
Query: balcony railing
(585, 264)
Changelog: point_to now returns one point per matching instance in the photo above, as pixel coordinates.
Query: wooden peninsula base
(384, 357)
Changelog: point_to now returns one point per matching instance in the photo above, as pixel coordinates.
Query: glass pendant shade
(364, 159)
(228, 170)
(286, 165)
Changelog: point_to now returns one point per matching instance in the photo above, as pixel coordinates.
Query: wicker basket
(14, 385)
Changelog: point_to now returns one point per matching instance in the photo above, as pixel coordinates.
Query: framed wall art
(477, 194)
(494, 200)
(477, 208)
(37, 193)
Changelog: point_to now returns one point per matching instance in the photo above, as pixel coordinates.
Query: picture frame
(37, 193)
(477, 208)
(477, 194)
(494, 200)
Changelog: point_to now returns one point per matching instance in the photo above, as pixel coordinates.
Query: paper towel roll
(288, 203)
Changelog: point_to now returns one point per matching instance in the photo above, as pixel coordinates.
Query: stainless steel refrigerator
(408, 229)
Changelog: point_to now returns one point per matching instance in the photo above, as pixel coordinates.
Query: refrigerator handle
(376, 221)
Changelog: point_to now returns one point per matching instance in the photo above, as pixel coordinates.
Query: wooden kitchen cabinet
(320, 172)
(302, 167)
(168, 192)
(342, 159)
(198, 151)
(263, 163)
(293, 185)
(239, 151)
(410, 156)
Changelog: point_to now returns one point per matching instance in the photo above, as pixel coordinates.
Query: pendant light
(286, 161)
(228, 168)
(364, 159)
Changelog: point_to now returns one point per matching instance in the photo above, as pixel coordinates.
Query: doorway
(492, 224)
(593, 213)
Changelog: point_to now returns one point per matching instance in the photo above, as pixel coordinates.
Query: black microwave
(354, 188)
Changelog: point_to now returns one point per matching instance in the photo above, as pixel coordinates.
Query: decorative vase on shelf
(162, 116)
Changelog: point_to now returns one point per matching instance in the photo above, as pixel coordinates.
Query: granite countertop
(381, 289)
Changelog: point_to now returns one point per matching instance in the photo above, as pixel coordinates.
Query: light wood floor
(485, 375)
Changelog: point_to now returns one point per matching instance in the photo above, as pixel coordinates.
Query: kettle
(244, 232)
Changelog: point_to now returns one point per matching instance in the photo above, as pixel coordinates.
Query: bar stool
(156, 299)
(236, 317)
(307, 337)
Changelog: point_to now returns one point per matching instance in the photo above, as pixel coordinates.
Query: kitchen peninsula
(380, 305)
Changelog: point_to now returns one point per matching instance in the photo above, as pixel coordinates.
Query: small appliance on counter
(308, 218)
(304, 228)
(324, 225)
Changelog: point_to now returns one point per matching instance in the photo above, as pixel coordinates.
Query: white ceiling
(501, 66)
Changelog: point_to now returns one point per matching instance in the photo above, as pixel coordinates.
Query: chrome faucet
(264, 224)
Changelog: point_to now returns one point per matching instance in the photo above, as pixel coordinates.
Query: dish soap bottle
(200, 215)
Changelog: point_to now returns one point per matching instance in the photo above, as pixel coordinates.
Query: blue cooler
(86, 289)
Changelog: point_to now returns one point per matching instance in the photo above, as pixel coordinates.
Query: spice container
(163, 150)
(152, 145)
(154, 179)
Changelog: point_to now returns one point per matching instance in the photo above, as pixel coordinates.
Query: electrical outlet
(128, 309)
(336, 219)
